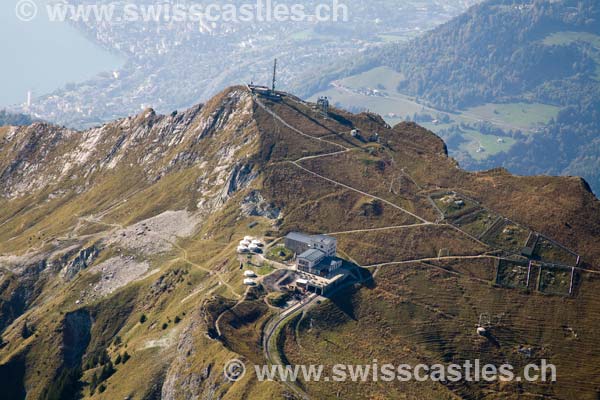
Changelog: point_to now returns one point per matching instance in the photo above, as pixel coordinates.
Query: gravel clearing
(118, 272)
(157, 234)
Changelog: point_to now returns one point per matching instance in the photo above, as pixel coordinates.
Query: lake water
(43, 56)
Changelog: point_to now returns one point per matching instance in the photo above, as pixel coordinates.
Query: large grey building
(301, 242)
(315, 262)
(315, 253)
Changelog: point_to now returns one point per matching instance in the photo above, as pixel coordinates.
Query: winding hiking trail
(360, 191)
(345, 150)
(416, 260)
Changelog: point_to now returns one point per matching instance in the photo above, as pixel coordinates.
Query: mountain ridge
(119, 242)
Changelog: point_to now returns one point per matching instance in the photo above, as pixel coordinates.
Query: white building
(316, 262)
(300, 242)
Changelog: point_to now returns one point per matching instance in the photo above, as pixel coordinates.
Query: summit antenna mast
(274, 75)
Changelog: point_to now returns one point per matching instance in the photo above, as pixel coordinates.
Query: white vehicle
(242, 249)
(249, 274)
(249, 282)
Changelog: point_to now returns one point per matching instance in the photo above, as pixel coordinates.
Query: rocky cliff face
(76, 337)
(184, 380)
(41, 155)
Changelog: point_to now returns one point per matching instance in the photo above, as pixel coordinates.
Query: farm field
(523, 116)
(507, 236)
(477, 222)
(379, 78)
(512, 274)
(555, 280)
(553, 253)
(481, 146)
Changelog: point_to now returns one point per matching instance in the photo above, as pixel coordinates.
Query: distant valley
(525, 101)
(162, 58)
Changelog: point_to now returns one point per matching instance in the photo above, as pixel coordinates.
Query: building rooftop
(324, 238)
(303, 237)
(320, 281)
(298, 236)
(312, 255)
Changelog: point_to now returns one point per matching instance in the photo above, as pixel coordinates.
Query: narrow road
(456, 228)
(323, 155)
(272, 328)
(208, 270)
(218, 320)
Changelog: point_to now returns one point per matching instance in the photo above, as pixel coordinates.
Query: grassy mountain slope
(119, 276)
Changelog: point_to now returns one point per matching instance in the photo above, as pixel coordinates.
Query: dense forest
(497, 51)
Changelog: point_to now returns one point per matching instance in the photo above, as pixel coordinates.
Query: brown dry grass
(409, 243)
(422, 314)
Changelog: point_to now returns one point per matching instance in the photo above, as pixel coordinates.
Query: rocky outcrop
(421, 137)
(240, 178)
(20, 288)
(115, 273)
(13, 301)
(255, 205)
(183, 380)
(35, 156)
(12, 376)
(83, 260)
